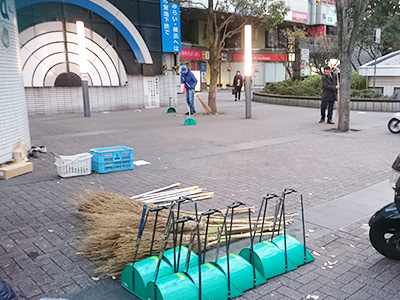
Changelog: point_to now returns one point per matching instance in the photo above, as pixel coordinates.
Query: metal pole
(85, 90)
(248, 97)
(375, 65)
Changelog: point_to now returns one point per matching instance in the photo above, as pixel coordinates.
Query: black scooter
(384, 232)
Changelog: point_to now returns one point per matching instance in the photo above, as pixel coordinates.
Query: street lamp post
(377, 40)
(247, 68)
(80, 31)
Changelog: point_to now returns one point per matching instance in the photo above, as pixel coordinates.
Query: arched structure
(48, 50)
(113, 15)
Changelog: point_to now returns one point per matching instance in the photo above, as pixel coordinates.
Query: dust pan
(241, 273)
(269, 260)
(171, 110)
(190, 122)
(169, 257)
(214, 283)
(296, 252)
(177, 286)
(135, 278)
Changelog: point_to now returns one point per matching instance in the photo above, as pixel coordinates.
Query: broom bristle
(112, 222)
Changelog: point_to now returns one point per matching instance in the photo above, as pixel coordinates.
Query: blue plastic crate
(112, 159)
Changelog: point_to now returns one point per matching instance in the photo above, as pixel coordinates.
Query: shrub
(311, 86)
(369, 93)
(358, 82)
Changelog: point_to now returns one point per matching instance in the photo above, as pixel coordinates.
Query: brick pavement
(238, 159)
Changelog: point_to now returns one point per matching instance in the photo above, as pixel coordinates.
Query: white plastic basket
(74, 165)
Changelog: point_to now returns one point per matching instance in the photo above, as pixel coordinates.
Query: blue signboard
(170, 27)
(203, 66)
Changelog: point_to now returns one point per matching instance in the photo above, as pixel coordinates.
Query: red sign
(316, 30)
(190, 53)
(261, 57)
(299, 17)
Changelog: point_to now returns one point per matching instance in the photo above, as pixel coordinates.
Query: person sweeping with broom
(187, 77)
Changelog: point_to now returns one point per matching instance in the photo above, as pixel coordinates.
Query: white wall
(297, 6)
(275, 72)
(60, 100)
(387, 82)
(14, 124)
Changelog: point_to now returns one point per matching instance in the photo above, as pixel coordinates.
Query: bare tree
(349, 16)
(226, 18)
(293, 37)
(322, 48)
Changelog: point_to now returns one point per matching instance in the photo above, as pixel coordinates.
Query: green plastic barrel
(241, 273)
(295, 249)
(143, 273)
(214, 283)
(269, 260)
(169, 257)
(176, 286)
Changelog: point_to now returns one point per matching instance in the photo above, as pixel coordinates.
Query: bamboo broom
(112, 225)
(157, 190)
(165, 193)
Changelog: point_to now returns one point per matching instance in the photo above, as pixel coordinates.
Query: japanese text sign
(170, 26)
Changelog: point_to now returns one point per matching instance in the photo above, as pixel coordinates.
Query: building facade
(14, 126)
(269, 55)
(124, 51)
(383, 75)
(129, 66)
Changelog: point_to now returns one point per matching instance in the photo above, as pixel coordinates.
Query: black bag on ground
(6, 293)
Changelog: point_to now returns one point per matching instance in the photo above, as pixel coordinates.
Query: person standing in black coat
(329, 94)
(237, 85)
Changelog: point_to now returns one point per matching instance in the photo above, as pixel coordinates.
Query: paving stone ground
(239, 159)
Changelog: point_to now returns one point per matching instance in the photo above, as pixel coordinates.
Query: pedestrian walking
(190, 81)
(237, 85)
(329, 94)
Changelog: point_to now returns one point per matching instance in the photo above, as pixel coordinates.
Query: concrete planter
(379, 105)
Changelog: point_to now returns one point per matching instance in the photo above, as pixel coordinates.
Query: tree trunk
(214, 72)
(344, 107)
(296, 66)
(349, 15)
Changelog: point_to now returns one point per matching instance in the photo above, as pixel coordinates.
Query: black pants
(238, 90)
(328, 104)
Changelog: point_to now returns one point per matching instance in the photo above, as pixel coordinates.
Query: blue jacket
(189, 80)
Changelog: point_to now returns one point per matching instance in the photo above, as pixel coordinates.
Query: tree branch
(226, 22)
(191, 2)
(358, 11)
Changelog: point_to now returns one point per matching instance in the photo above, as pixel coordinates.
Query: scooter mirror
(394, 180)
(395, 175)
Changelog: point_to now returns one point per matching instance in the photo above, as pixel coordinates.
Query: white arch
(113, 15)
(41, 42)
